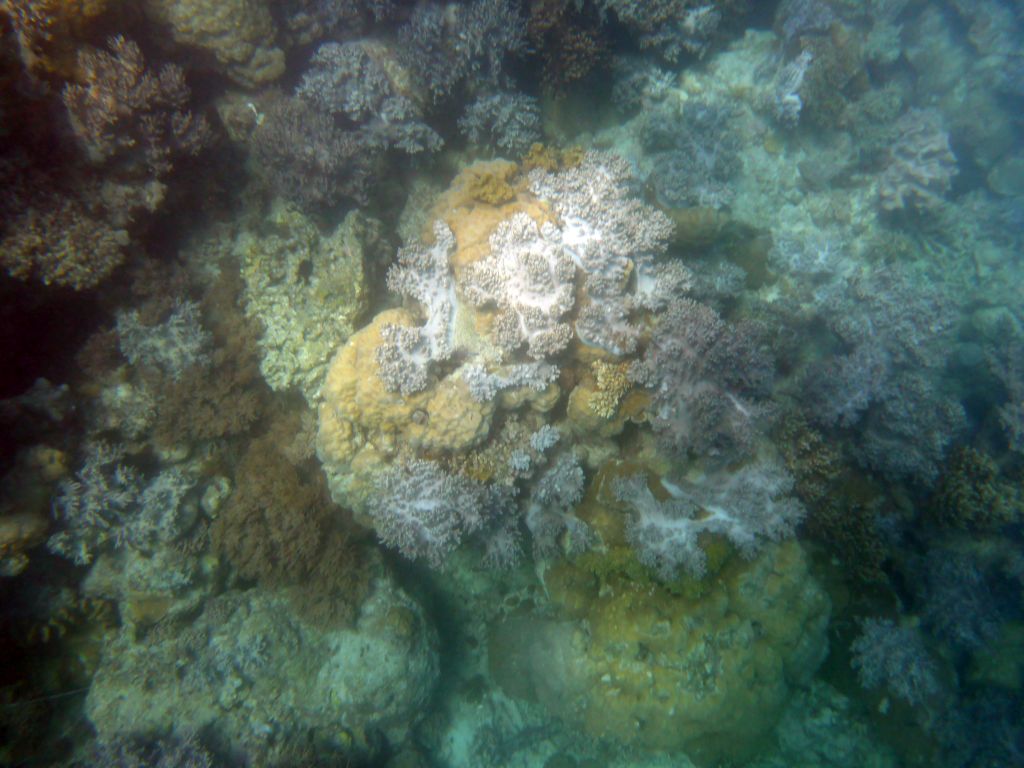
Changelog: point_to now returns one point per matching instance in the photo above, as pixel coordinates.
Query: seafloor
(512, 383)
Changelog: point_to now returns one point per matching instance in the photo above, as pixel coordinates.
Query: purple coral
(529, 276)
(704, 376)
(549, 514)
(505, 122)
(424, 512)
(302, 152)
(749, 507)
(423, 274)
(921, 164)
(893, 656)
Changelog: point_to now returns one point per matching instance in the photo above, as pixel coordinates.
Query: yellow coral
(363, 426)
(612, 385)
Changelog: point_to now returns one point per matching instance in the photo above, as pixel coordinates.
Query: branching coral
(448, 45)
(503, 122)
(127, 117)
(529, 276)
(305, 155)
(359, 82)
(423, 274)
(173, 347)
(673, 27)
(423, 511)
(705, 377)
(749, 506)
(893, 656)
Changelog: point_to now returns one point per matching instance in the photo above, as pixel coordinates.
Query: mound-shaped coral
(256, 673)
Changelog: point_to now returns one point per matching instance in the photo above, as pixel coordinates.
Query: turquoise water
(493, 383)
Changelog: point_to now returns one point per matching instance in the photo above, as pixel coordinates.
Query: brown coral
(279, 528)
(48, 31)
(122, 112)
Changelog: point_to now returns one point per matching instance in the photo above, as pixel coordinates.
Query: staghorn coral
(238, 34)
(127, 118)
(921, 164)
(750, 506)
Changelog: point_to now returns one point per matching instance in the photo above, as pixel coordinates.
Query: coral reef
(306, 289)
(921, 164)
(893, 656)
(665, 672)
(172, 347)
(240, 35)
(127, 117)
(252, 660)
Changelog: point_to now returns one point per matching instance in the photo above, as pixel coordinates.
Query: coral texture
(749, 506)
(921, 164)
(240, 35)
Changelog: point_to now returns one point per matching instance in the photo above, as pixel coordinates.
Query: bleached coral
(749, 506)
(421, 273)
(529, 276)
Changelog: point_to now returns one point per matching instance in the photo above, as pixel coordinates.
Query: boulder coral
(707, 674)
(239, 34)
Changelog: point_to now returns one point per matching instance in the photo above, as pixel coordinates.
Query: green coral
(308, 291)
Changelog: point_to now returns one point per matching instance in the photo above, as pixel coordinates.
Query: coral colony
(491, 383)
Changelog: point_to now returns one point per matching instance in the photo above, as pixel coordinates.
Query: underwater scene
(512, 383)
